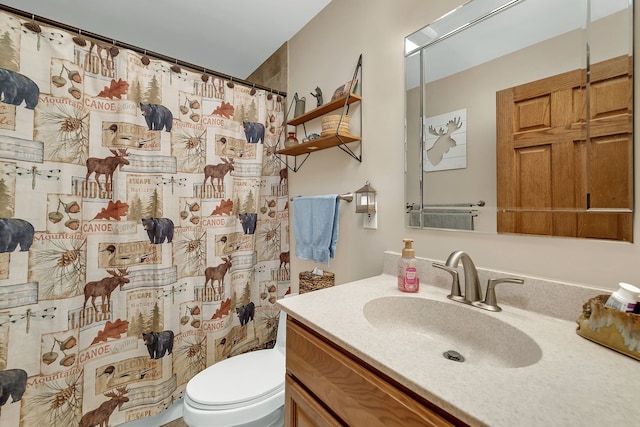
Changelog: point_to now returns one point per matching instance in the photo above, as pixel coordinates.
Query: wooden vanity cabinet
(327, 386)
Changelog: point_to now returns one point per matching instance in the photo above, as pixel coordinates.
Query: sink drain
(453, 355)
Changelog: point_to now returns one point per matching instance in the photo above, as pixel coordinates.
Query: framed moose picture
(445, 141)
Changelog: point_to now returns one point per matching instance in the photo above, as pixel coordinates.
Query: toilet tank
(281, 339)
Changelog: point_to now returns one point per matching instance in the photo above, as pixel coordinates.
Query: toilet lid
(239, 380)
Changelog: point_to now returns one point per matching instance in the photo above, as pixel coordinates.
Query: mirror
(519, 119)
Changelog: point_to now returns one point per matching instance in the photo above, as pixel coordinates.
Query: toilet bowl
(242, 391)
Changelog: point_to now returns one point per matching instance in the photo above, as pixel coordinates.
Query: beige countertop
(575, 383)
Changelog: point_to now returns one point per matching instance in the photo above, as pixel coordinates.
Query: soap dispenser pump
(408, 280)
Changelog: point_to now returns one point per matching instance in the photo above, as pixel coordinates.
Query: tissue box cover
(611, 328)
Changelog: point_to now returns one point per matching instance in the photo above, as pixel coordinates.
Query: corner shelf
(322, 143)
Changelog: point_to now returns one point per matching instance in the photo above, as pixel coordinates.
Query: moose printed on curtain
(143, 214)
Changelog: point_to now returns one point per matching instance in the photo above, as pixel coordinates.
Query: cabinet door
(549, 173)
(356, 394)
(302, 410)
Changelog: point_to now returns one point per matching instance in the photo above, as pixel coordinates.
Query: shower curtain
(143, 226)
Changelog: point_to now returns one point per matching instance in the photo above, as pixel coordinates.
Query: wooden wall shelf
(336, 140)
(318, 144)
(324, 109)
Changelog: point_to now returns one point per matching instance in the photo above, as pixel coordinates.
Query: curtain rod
(89, 34)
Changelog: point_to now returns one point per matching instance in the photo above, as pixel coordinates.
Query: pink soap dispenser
(408, 269)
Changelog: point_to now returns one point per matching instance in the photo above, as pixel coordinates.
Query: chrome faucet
(472, 291)
(490, 301)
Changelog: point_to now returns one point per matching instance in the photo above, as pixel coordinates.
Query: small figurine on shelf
(311, 137)
(300, 105)
(318, 96)
(291, 140)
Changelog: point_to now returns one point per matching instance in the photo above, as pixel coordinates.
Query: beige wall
(324, 53)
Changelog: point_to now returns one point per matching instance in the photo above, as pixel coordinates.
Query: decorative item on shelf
(300, 105)
(366, 199)
(349, 86)
(291, 140)
(310, 137)
(336, 122)
(318, 96)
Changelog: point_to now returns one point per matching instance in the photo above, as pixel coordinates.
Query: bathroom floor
(175, 423)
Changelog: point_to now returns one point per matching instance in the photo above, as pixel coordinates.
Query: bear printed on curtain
(143, 227)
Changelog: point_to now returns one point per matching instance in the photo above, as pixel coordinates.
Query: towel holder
(347, 197)
(454, 205)
(413, 206)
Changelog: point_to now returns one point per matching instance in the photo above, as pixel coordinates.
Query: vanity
(366, 354)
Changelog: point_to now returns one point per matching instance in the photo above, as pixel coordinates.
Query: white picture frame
(445, 141)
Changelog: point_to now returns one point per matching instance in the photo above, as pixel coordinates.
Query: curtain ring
(145, 59)
(113, 49)
(176, 68)
(79, 40)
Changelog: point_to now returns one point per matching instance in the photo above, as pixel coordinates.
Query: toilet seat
(242, 391)
(238, 381)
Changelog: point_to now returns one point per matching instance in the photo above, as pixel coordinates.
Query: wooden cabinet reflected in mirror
(553, 178)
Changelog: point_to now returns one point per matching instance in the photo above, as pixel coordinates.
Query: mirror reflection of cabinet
(555, 180)
(462, 61)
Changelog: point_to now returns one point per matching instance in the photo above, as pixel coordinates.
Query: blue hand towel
(315, 227)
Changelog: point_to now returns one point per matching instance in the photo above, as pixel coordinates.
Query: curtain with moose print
(143, 227)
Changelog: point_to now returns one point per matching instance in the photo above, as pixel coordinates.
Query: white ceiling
(232, 37)
(528, 23)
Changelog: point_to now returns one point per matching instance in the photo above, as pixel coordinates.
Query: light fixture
(366, 199)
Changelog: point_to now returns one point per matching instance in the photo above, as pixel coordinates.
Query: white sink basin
(438, 327)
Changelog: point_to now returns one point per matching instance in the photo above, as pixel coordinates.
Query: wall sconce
(366, 199)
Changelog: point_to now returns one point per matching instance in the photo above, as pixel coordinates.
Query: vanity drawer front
(302, 410)
(355, 394)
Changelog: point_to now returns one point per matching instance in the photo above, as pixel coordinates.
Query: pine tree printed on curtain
(137, 219)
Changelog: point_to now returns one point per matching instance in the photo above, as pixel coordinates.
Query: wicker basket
(330, 125)
(311, 282)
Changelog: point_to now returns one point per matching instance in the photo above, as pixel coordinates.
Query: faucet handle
(456, 293)
(490, 301)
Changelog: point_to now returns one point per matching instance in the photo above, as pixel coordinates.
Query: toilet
(242, 391)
